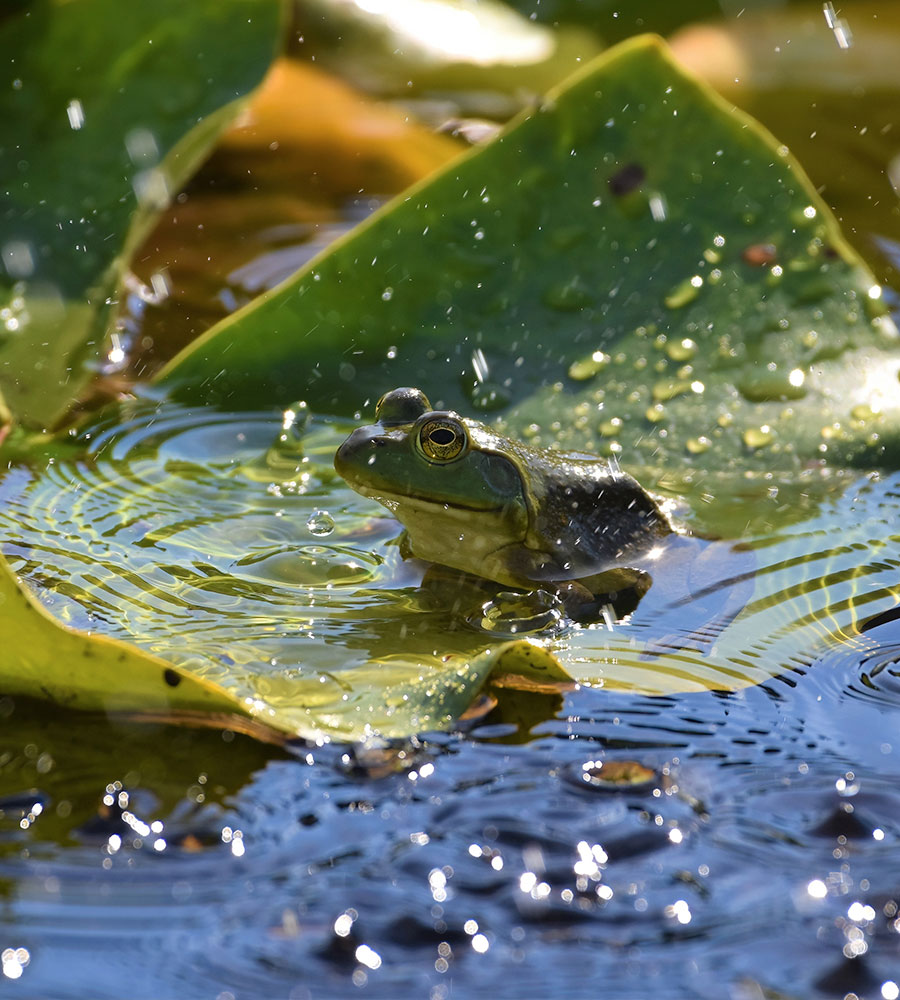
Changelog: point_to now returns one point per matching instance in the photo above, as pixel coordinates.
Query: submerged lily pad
(632, 213)
(105, 112)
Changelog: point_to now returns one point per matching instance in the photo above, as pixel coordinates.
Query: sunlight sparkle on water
(14, 961)
(368, 957)
(860, 912)
(890, 990)
(817, 889)
(680, 911)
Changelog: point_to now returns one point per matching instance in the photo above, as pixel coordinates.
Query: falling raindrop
(320, 523)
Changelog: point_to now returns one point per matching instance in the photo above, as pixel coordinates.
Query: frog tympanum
(494, 507)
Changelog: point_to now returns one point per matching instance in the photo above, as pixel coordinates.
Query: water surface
(760, 854)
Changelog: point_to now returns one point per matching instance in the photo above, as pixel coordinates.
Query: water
(761, 853)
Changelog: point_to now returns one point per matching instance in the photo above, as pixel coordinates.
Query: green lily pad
(105, 113)
(633, 216)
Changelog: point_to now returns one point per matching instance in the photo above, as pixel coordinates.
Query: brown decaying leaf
(284, 178)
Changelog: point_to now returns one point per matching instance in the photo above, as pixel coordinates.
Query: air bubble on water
(387, 294)
(320, 523)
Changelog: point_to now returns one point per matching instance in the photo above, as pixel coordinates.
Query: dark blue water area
(762, 857)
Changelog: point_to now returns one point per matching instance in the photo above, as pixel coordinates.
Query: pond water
(756, 850)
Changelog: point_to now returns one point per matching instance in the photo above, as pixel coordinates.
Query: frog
(524, 517)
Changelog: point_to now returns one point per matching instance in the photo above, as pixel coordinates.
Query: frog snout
(360, 444)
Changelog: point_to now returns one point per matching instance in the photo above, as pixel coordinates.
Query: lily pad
(633, 216)
(105, 113)
(95, 673)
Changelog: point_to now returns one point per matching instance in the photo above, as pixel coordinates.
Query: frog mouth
(394, 501)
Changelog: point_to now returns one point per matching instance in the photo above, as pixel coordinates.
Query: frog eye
(401, 406)
(442, 440)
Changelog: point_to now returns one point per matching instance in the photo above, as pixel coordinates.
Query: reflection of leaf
(635, 252)
(99, 110)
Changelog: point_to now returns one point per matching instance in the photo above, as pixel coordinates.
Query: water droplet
(295, 419)
(681, 350)
(75, 113)
(684, 293)
(586, 368)
(387, 294)
(758, 437)
(772, 384)
(611, 427)
(320, 523)
(697, 445)
(669, 389)
(863, 412)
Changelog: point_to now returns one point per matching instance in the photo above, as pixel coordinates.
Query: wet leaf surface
(632, 234)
